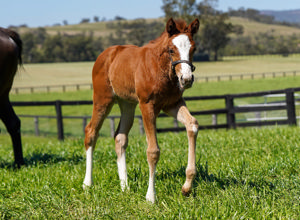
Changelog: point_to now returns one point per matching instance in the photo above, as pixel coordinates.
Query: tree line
(217, 35)
(39, 47)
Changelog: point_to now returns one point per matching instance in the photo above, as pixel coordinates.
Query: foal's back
(121, 68)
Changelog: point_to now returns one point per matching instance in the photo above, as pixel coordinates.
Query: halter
(174, 63)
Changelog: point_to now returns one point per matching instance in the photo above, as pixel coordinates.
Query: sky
(35, 13)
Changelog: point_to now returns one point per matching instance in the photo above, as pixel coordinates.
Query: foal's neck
(160, 50)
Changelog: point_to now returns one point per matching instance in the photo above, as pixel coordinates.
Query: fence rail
(230, 111)
(244, 76)
(221, 77)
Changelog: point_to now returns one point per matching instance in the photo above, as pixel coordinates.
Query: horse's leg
(101, 108)
(182, 114)
(153, 151)
(13, 125)
(121, 139)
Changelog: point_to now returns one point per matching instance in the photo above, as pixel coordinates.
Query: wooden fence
(221, 77)
(244, 76)
(230, 111)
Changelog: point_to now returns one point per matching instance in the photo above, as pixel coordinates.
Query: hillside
(292, 16)
(253, 27)
(101, 29)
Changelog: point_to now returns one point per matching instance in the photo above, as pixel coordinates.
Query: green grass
(245, 173)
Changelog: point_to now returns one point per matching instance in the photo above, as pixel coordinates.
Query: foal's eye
(171, 51)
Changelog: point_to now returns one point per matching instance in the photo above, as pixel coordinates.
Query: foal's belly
(124, 91)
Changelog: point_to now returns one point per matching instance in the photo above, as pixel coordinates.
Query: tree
(85, 20)
(215, 33)
(53, 48)
(96, 19)
(185, 9)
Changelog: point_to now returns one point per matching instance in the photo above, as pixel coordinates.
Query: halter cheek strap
(174, 63)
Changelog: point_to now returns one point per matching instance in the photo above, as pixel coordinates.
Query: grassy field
(242, 174)
(80, 73)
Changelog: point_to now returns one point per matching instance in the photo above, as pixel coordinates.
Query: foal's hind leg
(13, 125)
(121, 139)
(101, 108)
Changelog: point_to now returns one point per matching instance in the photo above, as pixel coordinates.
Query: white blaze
(183, 45)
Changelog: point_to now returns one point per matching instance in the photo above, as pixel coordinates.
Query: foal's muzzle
(187, 82)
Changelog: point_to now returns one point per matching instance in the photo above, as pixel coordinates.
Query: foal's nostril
(187, 82)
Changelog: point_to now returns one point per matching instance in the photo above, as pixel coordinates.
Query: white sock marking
(150, 196)
(122, 171)
(88, 180)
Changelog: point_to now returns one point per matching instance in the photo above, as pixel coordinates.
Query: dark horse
(155, 77)
(10, 57)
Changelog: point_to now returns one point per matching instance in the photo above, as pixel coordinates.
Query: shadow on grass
(259, 183)
(38, 158)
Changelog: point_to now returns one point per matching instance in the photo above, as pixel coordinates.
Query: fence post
(230, 112)
(84, 122)
(36, 126)
(112, 126)
(59, 120)
(175, 123)
(141, 125)
(214, 119)
(290, 104)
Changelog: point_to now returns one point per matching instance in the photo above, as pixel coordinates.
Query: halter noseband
(174, 63)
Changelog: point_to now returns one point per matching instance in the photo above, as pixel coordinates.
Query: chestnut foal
(155, 77)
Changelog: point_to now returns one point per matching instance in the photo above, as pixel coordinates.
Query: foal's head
(181, 47)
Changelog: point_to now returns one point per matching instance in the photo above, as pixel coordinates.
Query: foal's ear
(171, 27)
(194, 26)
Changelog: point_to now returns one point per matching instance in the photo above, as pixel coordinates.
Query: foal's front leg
(153, 152)
(182, 114)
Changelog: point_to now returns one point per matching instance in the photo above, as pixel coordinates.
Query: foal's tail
(16, 37)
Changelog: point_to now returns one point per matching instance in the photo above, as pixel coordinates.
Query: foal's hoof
(86, 187)
(185, 192)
